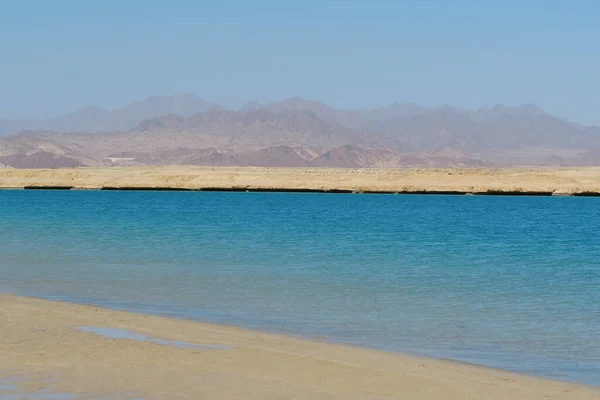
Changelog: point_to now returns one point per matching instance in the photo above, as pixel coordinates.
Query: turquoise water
(508, 282)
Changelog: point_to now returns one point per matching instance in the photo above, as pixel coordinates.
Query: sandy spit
(39, 344)
(548, 181)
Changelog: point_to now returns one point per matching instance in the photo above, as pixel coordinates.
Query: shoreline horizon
(51, 305)
(533, 181)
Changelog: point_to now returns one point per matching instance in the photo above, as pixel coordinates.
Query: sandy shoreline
(40, 345)
(536, 181)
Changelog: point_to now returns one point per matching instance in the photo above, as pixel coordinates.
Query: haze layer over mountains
(187, 130)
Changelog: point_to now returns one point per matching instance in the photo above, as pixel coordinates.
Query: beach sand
(40, 346)
(549, 181)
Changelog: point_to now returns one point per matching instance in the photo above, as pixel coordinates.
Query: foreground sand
(38, 343)
(557, 181)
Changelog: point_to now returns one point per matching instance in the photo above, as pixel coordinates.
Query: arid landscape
(483, 181)
(186, 130)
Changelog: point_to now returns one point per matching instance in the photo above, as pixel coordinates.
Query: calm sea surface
(509, 282)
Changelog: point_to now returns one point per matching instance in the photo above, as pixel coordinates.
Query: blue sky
(60, 55)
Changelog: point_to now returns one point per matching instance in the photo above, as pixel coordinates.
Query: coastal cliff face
(186, 130)
(513, 181)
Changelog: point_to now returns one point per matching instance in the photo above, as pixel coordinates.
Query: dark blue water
(509, 282)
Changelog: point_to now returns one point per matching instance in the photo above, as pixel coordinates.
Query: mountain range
(184, 129)
(94, 119)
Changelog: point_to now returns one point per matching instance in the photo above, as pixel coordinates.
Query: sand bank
(536, 181)
(39, 344)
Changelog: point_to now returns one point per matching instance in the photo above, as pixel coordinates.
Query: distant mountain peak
(298, 99)
(297, 103)
(526, 108)
(91, 111)
(529, 108)
(251, 105)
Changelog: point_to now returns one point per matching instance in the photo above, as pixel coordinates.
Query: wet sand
(535, 181)
(43, 345)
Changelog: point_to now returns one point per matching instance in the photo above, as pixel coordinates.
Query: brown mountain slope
(16, 150)
(349, 156)
(262, 128)
(347, 118)
(170, 121)
(40, 159)
(355, 157)
(589, 158)
(26, 144)
(273, 157)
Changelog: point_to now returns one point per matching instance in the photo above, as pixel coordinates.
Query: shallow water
(116, 333)
(508, 282)
(13, 389)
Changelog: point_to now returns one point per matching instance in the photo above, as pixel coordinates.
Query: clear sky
(60, 55)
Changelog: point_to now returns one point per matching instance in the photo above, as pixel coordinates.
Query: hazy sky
(59, 55)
